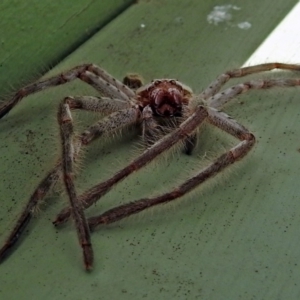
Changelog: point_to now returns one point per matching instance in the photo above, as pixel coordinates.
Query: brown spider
(131, 103)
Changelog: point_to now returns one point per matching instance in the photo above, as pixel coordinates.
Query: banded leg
(105, 126)
(89, 73)
(218, 100)
(40, 192)
(103, 105)
(222, 162)
(216, 85)
(66, 132)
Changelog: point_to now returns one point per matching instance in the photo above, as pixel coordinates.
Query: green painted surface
(35, 34)
(234, 239)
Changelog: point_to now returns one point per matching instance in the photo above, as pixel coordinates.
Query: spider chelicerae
(130, 102)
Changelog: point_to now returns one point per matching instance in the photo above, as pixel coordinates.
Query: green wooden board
(35, 35)
(236, 238)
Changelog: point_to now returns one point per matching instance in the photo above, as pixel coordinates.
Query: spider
(150, 106)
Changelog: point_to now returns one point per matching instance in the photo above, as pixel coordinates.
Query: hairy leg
(89, 73)
(107, 125)
(223, 161)
(185, 129)
(220, 99)
(45, 185)
(216, 85)
(66, 132)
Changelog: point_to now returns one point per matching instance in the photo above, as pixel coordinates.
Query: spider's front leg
(186, 129)
(88, 73)
(226, 159)
(111, 123)
(68, 156)
(123, 114)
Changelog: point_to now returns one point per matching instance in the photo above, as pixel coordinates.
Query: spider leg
(122, 87)
(103, 105)
(49, 181)
(68, 152)
(107, 125)
(184, 130)
(218, 100)
(104, 87)
(226, 159)
(89, 73)
(217, 84)
(66, 132)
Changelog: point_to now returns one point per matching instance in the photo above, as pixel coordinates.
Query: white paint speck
(221, 13)
(224, 14)
(244, 25)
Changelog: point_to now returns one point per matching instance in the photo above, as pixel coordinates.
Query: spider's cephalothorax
(165, 97)
(128, 103)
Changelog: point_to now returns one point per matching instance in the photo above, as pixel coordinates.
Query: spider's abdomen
(165, 96)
